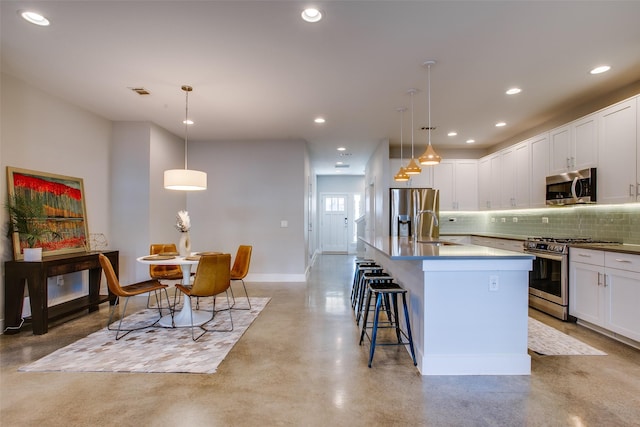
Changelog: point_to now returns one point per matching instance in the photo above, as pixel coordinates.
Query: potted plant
(27, 218)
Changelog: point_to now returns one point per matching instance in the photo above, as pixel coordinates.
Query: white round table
(183, 318)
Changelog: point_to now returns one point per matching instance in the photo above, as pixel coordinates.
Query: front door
(335, 223)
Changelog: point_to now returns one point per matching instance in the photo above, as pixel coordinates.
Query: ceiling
(259, 72)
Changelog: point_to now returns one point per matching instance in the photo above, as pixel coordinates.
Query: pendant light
(429, 157)
(185, 179)
(401, 176)
(412, 168)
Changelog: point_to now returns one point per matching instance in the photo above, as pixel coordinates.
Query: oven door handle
(545, 255)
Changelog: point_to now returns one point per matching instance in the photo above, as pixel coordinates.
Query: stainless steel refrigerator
(414, 212)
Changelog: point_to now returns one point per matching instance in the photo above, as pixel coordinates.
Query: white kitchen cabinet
(515, 169)
(489, 181)
(618, 153)
(539, 154)
(604, 290)
(484, 182)
(622, 281)
(586, 277)
(574, 146)
(457, 181)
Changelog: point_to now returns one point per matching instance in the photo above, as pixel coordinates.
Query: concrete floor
(300, 364)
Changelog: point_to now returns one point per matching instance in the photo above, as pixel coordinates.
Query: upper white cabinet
(574, 146)
(489, 182)
(515, 169)
(618, 175)
(539, 152)
(457, 181)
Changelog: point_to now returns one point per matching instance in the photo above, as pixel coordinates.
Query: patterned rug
(549, 341)
(155, 349)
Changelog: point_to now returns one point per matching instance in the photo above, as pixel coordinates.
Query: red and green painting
(62, 198)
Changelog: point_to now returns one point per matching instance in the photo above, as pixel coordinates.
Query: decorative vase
(184, 246)
(32, 254)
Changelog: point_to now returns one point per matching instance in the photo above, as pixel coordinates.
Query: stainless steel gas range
(549, 278)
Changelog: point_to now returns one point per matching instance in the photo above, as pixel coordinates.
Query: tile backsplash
(620, 223)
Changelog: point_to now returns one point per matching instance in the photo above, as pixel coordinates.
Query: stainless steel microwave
(572, 188)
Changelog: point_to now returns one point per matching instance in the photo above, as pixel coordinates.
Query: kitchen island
(468, 304)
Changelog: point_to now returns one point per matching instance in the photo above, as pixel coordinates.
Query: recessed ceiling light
(601, 69)
(34, 18)
(187, 122)
(311, 15)
(513, 91)
(500, 124)
(453, 133)
(342, 149)
(470, 141)
(319, 120)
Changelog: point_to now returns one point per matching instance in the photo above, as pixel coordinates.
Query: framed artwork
(64, 213)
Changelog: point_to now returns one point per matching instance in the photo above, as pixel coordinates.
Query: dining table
(183, 318)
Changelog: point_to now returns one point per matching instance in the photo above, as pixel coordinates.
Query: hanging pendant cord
(429, 99)
(412, 125)
(186, 127)
(401, 123)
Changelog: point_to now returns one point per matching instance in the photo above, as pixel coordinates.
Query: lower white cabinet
(604, 290)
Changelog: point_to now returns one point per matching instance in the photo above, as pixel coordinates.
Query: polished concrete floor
(300, 364)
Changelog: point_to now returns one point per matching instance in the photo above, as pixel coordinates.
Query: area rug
(155, 349)
(549, 341)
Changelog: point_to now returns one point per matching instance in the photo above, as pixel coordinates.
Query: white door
(335, 223)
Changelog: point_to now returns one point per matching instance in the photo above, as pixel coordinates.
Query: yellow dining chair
(241, 269)
(212, 278)
(127, 292)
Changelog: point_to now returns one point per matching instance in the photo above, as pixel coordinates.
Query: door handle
(346, 222)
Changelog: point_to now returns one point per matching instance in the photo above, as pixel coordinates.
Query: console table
(36, 274)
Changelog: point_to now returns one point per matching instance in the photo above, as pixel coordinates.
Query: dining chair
(240, 270)
(212, 278)
(163, 272)
(129, 291)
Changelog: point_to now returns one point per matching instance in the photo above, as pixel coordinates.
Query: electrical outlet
(493, 283)
(503, 219)
(545, 220)
(515, 219)
(453, 219)
(60, 280)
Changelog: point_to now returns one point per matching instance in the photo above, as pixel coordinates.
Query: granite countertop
(404, 248)
(610, 247)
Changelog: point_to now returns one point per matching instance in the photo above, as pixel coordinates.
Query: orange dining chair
(241, 269)
(127, 292)
(211, 279)
(163, 272)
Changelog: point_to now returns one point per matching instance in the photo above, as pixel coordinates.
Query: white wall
(43, 133)
(377, 183)
(252, 187)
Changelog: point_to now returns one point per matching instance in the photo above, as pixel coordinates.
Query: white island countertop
(405, 248)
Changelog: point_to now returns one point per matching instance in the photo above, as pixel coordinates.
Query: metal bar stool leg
(406, 318)
(374, 332)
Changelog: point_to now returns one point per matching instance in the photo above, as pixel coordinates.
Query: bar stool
(357, 279)
(384, 291)
(377, 276)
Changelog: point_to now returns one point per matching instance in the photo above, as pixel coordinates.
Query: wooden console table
(36, 274)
